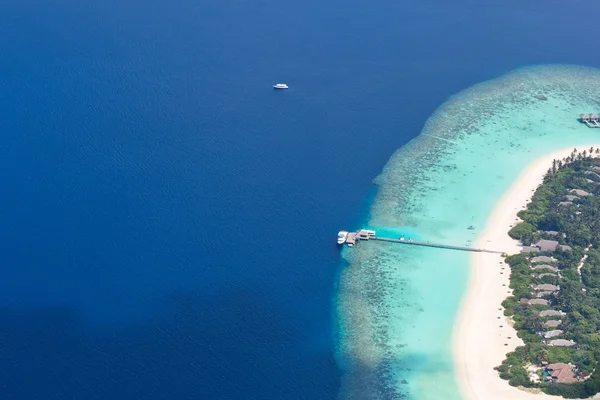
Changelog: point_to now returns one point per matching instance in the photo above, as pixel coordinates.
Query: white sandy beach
(482, 335)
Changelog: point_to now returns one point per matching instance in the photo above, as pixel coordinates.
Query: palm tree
(591, 150)
(584, 153)
(597, 150)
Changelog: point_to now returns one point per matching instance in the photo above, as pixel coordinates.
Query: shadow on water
(50, 353)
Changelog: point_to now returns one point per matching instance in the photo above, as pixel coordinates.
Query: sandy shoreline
(482, 336)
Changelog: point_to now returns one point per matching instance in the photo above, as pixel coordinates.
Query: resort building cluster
(545, 260)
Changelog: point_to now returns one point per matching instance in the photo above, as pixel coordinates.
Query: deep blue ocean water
(168, 219)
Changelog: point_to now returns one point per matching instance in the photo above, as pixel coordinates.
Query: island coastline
(482, 334)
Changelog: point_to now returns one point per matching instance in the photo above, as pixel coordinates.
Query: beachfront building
(530, 249)
(544, 266)
(561, 373)
(543, 294)
(546, 245)
(544, 259)
(546, 287)
(592, 174)
(549, 245)
(532, 302)
(552, 313)
(553, 323)
(561, 343)
(579, 192)
(540, 276)
(553, 333)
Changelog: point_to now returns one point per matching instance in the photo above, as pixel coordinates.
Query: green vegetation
(572, 221)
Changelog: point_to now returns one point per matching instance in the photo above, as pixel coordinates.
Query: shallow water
(397, 305)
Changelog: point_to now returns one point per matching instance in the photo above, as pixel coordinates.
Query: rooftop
(546, 286)
(551, 313)
(546, 245)
(554, 333)
(543, 259)
(552, 323)
(579, 192)
(545, 266)
(561, 373)
(561, 343)
(540, 302)
(529, 249)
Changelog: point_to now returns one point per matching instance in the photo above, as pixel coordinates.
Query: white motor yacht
(342, 235)
(280, 86)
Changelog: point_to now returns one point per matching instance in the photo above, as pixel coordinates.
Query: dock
(352, 238)
(590, 120)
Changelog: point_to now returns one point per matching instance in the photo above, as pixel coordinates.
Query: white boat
(342, 235)
(280, 86)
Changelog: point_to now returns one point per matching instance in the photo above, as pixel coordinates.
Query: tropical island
(555, 282)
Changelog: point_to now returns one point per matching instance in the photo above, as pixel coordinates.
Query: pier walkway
(439, 246)
(351, 238)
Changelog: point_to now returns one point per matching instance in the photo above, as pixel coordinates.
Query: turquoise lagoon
(396, 305)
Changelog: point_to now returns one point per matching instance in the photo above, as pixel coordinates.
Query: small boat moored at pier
(342, 236)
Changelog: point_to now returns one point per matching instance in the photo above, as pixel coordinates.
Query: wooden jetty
(353, 237)
(590, 120)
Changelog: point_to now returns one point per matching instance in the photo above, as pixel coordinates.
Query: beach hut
(544, 259)
(552, 323)
(540, 302)
(552, 313)
(546, 245)
(554, 333)
(561, 343)
(584, 117)
(545, 266)
(561, 373)
(547, 287)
